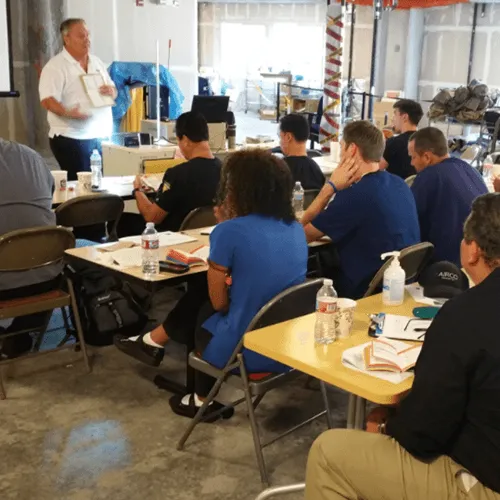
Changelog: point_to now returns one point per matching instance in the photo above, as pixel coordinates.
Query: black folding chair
(89, 210)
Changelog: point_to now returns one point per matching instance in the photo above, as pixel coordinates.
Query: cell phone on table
(170, 267)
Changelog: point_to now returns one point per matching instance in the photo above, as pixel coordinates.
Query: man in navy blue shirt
(377, 214)
(444, 190)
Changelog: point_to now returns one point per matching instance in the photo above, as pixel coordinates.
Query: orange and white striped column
(331, 121)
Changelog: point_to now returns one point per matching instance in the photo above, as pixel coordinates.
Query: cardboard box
(382, 113)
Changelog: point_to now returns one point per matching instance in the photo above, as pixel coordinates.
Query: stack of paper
(167, 239)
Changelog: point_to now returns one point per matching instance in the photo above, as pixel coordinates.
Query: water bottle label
(298, 196)
(325, 306)
(150, 244)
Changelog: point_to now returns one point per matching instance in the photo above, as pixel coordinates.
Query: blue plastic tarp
(127, 74)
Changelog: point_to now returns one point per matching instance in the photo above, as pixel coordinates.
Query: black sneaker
(191, 409)
(139, 350)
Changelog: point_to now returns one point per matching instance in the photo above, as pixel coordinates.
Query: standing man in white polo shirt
(76, 128)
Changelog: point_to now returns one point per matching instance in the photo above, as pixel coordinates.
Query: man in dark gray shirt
(26, 189)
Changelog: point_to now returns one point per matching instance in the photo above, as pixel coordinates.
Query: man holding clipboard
(78, 93)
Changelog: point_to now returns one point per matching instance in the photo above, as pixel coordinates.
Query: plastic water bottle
(326, 309)
(298, 200)
(150, 242)
(393, 292)
(96, 167)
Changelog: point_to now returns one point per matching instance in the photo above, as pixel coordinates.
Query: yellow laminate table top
(292, 343)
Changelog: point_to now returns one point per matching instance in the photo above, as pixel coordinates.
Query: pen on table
(421, 330)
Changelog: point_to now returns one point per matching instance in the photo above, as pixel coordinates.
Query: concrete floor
(65, 434)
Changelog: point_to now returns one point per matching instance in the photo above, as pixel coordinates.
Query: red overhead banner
(410, 4)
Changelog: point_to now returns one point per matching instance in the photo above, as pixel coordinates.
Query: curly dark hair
(256, 182)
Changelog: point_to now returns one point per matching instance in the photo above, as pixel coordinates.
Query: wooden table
(121, 186)
(326, 164)
(292, 343)
(90, 255)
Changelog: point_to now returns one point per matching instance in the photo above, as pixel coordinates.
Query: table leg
(351, 411)
(360, 414)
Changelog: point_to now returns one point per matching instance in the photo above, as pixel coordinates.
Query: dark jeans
(14, 346)
(184, 325)
(73, 155)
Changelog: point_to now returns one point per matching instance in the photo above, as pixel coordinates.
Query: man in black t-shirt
(407, 116)
(186, 186)
(294, 132)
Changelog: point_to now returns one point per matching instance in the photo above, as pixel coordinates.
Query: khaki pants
(355, 465)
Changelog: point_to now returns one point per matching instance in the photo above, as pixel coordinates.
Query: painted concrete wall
(446, 49)
(123, 32)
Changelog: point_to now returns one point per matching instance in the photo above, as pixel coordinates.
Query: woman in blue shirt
(256, 252)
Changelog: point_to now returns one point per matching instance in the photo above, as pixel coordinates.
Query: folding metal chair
(292, 303)
(36, 248)
(410, 180)
(90, 210)
(413, 260)
(309, 195)
(198, 218)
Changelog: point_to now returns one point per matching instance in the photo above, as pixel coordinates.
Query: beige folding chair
(92, 209)
(413, 260)
(36, 248)
(198, 218)
(410, 180)
(292, 303)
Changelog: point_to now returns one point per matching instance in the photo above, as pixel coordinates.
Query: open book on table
(390, 355)
(197, 257)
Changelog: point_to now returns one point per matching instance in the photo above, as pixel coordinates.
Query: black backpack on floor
(107, 306)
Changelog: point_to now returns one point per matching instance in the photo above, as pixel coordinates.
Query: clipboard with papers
(92, 82)
(397, 327)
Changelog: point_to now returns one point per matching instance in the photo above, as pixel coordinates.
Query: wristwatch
(135, 190)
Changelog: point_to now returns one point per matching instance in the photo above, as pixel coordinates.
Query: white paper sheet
(207, 230)
(400, 328)
(92, 83)
(417, 293)
(153, 182)
(167, 239)
(127, 257)
(353, 358)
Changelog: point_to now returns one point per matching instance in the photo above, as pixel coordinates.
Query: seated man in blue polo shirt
(377, 214)
(444, 190)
